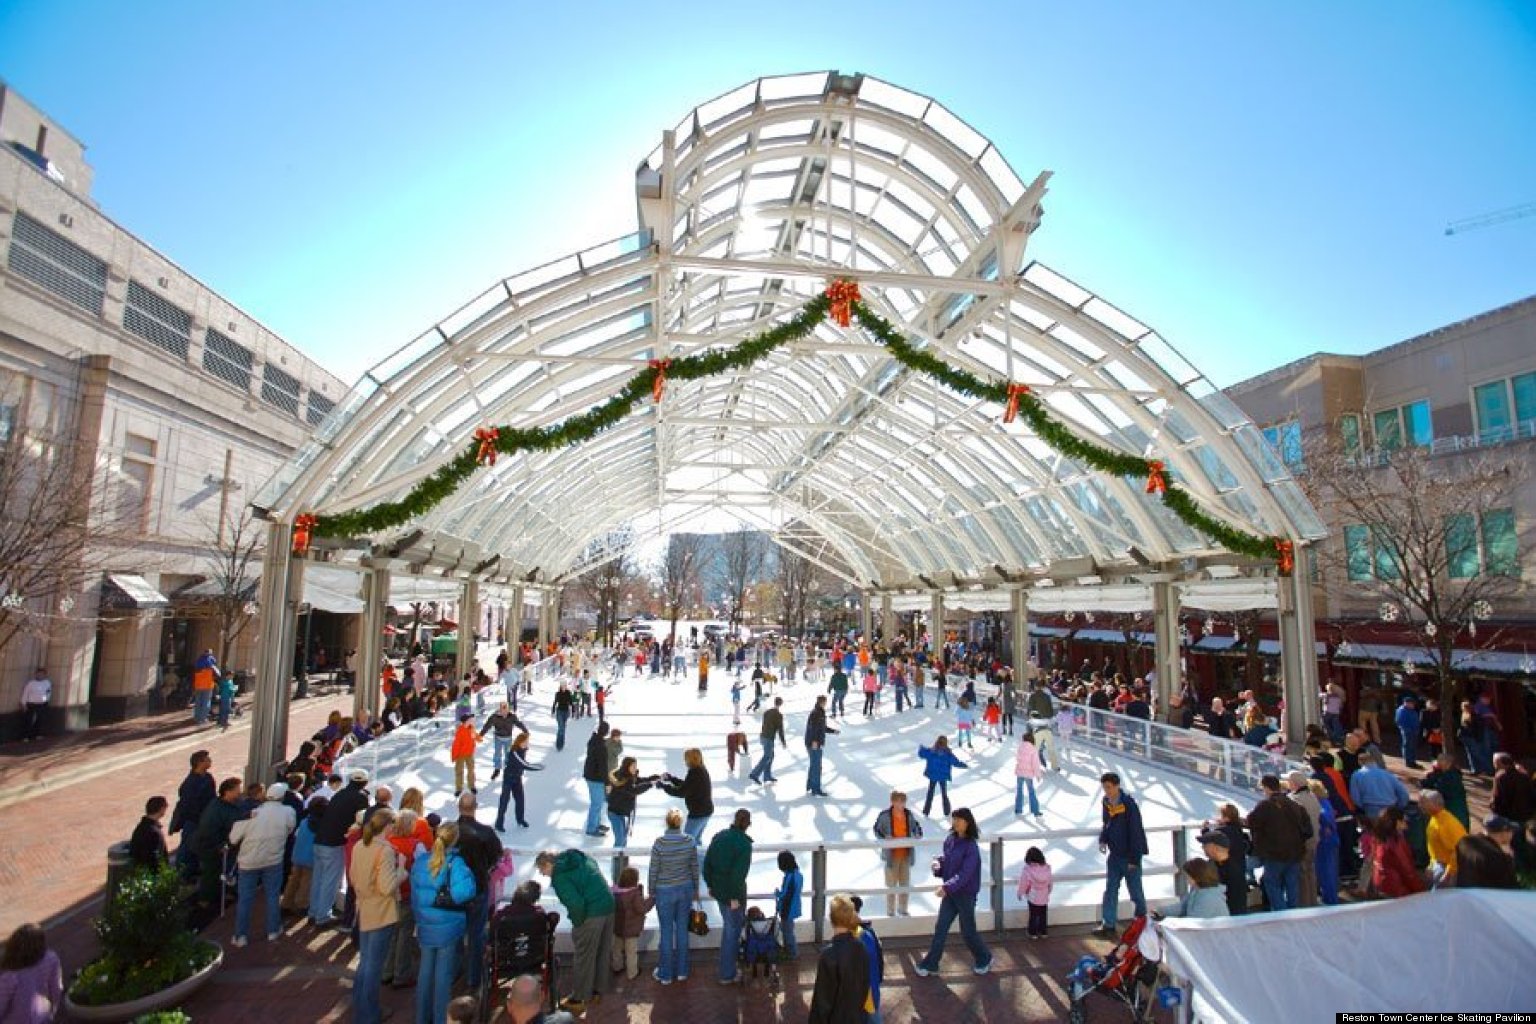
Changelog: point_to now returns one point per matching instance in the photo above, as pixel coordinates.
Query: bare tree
(1410, 539)
(61, 526)
(799, 579)
(680, 573)
(744, 552)
(229, 561)
(606, 588)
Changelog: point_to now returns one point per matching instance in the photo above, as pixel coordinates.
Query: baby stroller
(760, 948)
(1128, 974)
(521, 941)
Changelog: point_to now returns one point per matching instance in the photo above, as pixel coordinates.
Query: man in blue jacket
(1408, 724)
(1125, 842)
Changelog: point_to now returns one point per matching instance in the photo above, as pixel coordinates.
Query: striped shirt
(674, 861)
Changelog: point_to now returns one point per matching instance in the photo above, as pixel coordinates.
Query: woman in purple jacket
(960, 868)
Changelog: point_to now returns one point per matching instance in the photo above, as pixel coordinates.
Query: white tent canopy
(1453, 951)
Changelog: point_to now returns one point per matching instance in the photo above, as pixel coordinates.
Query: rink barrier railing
(1198, 755)
(398, 751)
(1002, 853)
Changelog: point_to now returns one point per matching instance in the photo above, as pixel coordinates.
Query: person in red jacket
(463, 754)
(1392, 870)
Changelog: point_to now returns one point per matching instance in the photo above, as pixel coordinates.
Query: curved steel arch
(743, 211)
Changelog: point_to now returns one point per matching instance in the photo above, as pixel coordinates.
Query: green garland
(431, 491)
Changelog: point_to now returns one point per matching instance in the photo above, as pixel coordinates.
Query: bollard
(119, 865)
(1180, 855)
(997, 885)
(819, 891)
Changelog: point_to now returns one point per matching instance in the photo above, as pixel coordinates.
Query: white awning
(1229, 595)
(127, 591)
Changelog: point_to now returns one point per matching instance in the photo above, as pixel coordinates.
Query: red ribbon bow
(1015, 392)
(659, 382)
(1285, 556)
(302, 528)
(486, 455)
(1157, 482)
(843, 293)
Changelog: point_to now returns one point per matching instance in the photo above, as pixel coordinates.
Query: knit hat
(277, 791)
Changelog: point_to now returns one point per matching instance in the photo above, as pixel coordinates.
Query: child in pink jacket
(1027, 771)
(1035, 890)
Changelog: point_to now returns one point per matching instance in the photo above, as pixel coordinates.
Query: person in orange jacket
(463, 754)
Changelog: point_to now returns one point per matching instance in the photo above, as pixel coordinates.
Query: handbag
(443, 900)
(698, 924)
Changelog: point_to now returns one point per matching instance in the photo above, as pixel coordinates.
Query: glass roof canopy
(746, 209)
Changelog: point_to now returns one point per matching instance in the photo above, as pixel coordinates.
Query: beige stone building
(184, 403)
(1463, 391)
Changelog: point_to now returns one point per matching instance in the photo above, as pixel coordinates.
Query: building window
(1403, 425)
(7, 423)
(1349, 434)
(319, 408)
(139, 477)
(227, 359)
(157, 321)
(1387, 559)
(1501, 555)
(1461, 555)
(1285, 438)
(1506, 409)
(280, 390)
(1357, 553)
(54, 263)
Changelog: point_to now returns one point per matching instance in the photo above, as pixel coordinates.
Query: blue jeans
(942, 785)
(325, 882)
(942, 700)
(838, 699)
(950, 908)
(620, 827)
(475, 924)
(1282, 883)
(202, 703)
(561, 717)
(271, 880)
(499, 748)
(434, 984)
(226, 705)
(813, 776)
(788, 937)
(672, 903)
(731, 924)
(372, 947)
(1018, 796)
(1410, 738)
(901, 697)
(917, 702)
(764, 767)
(695, 827)
(596, 799)
(1122, 869)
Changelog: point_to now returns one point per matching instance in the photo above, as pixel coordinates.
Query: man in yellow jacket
(1441, 835)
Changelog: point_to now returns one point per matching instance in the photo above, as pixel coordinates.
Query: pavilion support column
(469, 620)
(1018, 633)
(365, 687)
(866, 618)
(1298, 649)
(888, 624)
(936, 621)
(282, 591)
(544, 605)
(513, 629)
(1165, 625)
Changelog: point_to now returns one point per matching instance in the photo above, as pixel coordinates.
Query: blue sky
(1257, 181)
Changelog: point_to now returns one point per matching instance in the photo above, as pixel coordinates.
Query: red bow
(1015, 392)
(1157, 483)
(1285, 556)
(302, 528)
(843, 293)
(486, 455)
(659, 382)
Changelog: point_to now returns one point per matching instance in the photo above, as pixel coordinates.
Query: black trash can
(119, 864)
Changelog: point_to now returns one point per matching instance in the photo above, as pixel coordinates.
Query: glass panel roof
(745, 210)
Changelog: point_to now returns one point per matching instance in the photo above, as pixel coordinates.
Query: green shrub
(163, 1017)
(146, 944)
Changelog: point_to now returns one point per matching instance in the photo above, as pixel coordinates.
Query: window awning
(1483, 663)
(214, 589)
(127, 592)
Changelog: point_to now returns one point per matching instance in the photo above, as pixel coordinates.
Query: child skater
(1035, 889)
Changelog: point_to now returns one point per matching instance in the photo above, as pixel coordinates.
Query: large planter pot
(165, 999)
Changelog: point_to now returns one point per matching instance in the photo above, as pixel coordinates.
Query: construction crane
(1488, 220)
